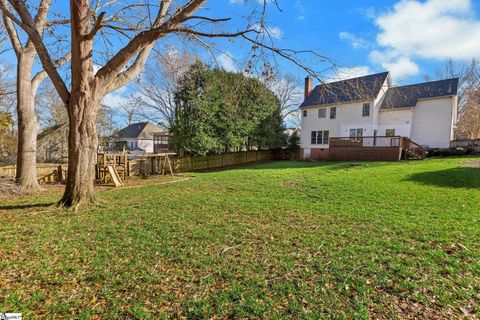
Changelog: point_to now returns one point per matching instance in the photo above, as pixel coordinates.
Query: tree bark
(82, 109)
(82, 147)
(27, 124)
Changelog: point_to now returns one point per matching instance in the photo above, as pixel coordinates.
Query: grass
(275, 240)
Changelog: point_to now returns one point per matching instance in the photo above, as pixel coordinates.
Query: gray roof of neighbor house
(140, 130)
(407, 96)
(362, 88)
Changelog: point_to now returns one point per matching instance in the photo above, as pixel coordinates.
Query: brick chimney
(308, 86)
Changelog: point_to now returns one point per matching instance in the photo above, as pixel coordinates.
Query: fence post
(59, 174)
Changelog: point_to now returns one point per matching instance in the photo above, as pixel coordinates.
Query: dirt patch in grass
(472, 163)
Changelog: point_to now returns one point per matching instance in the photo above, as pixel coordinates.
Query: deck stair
(412, 150)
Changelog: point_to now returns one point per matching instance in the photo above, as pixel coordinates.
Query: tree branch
(12, 33)
(40, 21)
(40, 76)
(124, 77)
(146, 38)
(96, 26)
(27, 24)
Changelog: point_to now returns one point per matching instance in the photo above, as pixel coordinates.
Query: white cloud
(437, 29)
(349, 72)
(355, 41)
(301, 11)
(401, 68)
(431, 29)
(227, 62)
(271, 31)
(116, 98)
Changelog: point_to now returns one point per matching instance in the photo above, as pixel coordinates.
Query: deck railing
(373, 141)
(407, 147)
(413, 149)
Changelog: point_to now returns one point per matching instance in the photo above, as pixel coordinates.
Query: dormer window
(366, 110)
(322, 113)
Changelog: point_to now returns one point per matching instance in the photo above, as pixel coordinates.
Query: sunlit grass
(275, 240)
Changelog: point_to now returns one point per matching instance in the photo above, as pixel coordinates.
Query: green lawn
(275, 240)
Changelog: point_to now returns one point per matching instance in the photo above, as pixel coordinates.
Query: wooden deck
(378, 148)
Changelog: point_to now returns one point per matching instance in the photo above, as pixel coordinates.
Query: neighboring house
(52, 144)
(143, 137)
(371, 106)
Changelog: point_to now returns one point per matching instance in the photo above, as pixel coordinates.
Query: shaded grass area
(275, 240)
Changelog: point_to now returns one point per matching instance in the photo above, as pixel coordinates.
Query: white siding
(433, 121)
(349, 116)
(147, 145)
(400, 120)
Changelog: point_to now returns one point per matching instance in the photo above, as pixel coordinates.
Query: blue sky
(410, 38)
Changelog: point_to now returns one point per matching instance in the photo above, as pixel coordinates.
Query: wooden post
(59, 174)
(169, 165)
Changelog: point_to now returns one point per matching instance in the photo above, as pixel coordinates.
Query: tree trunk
(82, 147)
(27, 125)
(82, 110)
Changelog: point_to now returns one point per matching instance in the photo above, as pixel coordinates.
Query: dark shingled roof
(143, 130)
(362, 88)
(407, 96)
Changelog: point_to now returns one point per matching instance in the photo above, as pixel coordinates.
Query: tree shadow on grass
(461, 177)
(26, 206)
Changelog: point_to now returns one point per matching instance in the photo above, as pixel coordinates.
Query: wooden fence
(43, 169)
(50, 171)
(214, 161)
(466, 143)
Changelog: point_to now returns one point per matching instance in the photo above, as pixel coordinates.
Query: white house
(143, 137)
(371, 106)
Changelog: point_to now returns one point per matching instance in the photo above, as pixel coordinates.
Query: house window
(131, 145)
(366, 110)
(322, 113)
(356, 133)
(390, 132)
(320, 137)
(304, 113)
(333, 112)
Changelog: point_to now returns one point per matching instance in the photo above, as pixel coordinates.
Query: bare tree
(132, 108)
(289, 92)
(49, 107)
(468, 118)
(158, 84)
(26, 88)
(87, 89)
